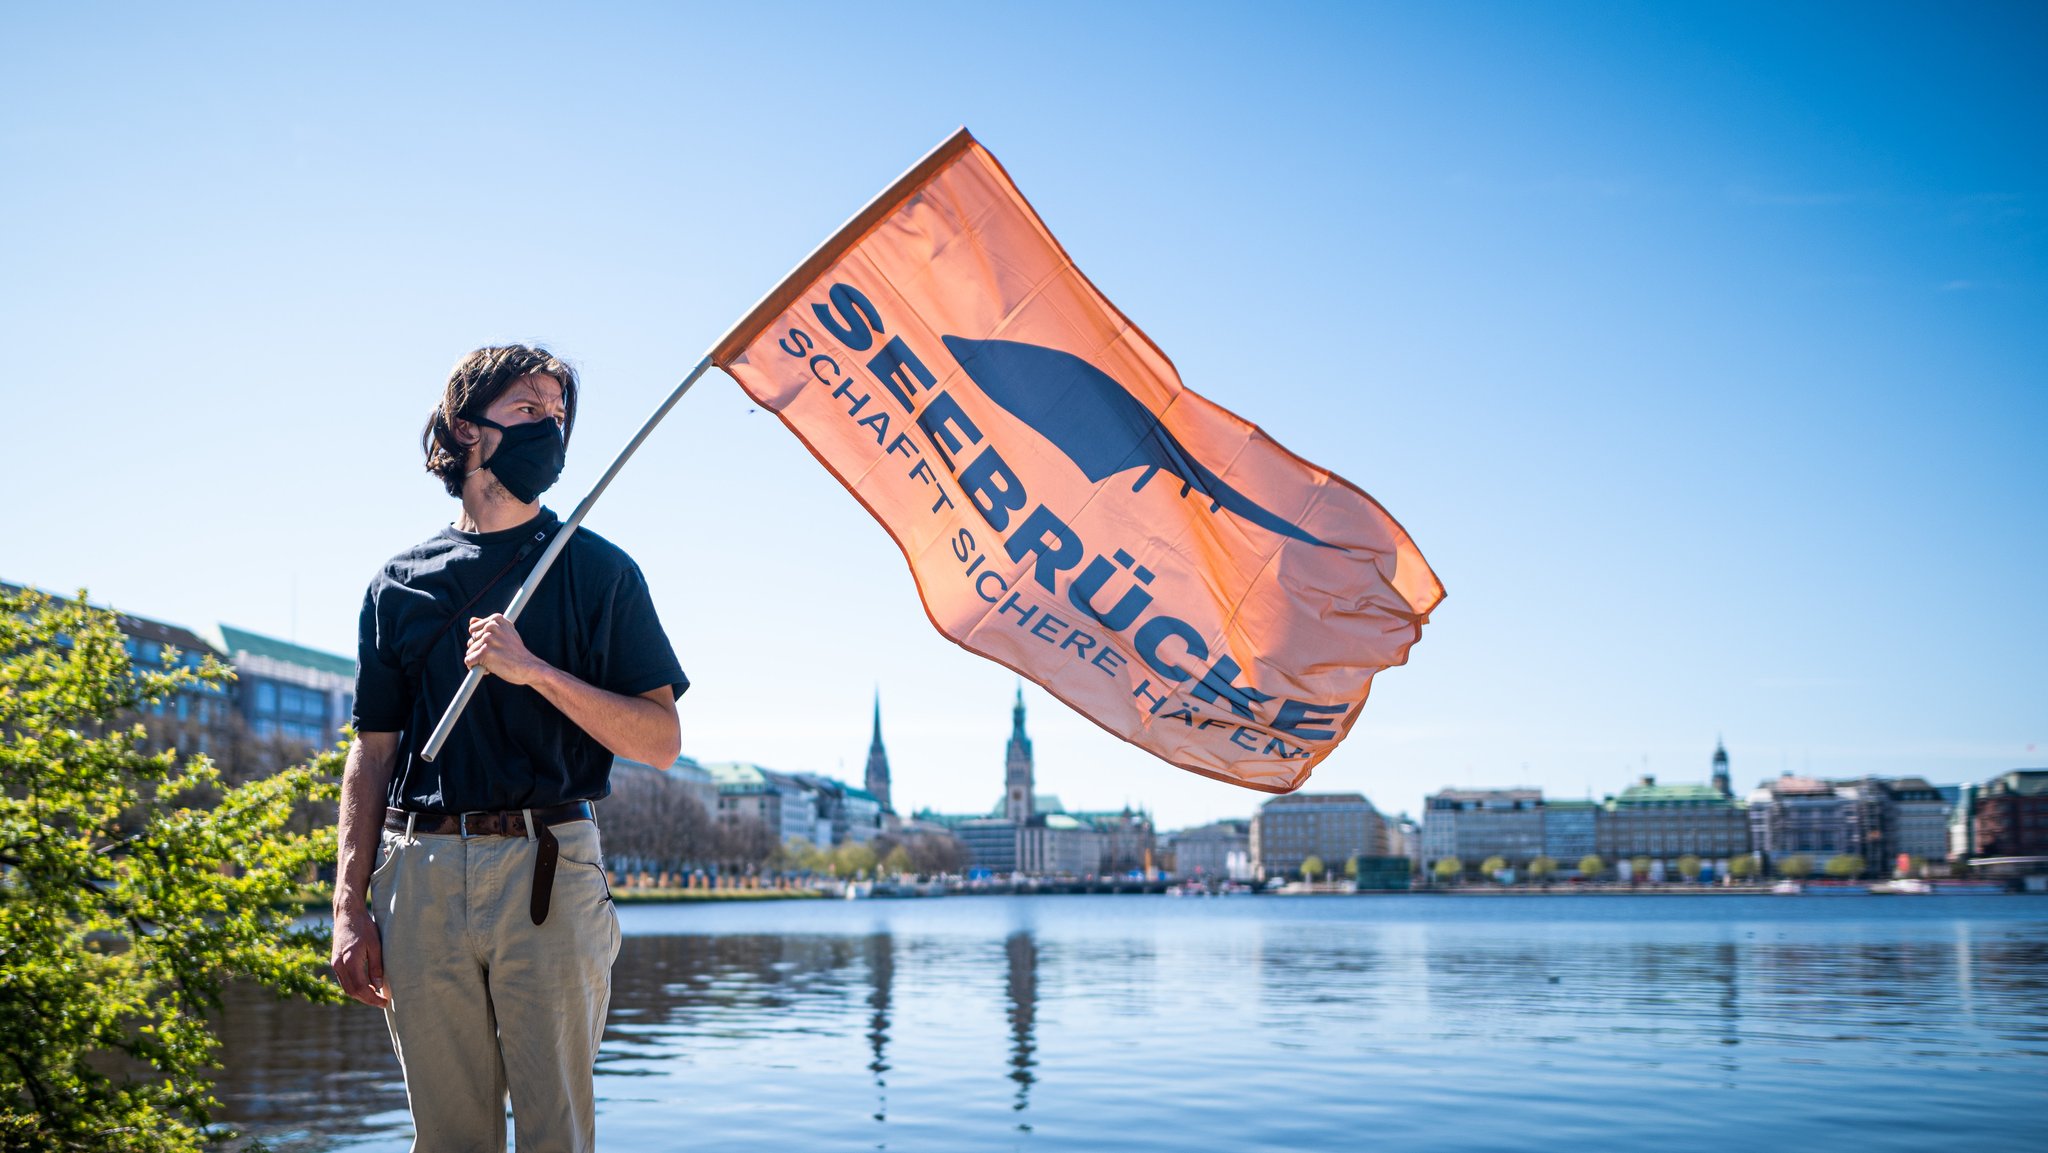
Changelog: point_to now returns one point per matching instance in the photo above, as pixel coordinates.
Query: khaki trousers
(483, 1001)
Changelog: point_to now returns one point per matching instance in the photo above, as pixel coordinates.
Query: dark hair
(476, 383)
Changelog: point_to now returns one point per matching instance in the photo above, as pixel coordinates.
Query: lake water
(1129, 1023)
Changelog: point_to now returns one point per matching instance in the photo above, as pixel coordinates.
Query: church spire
(1019, 776)
(878, 761)
(1721, 784)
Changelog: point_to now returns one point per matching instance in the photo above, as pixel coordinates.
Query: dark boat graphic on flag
(1096, 423)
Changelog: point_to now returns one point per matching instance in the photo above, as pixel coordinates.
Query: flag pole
(728, 346)
(548, 555)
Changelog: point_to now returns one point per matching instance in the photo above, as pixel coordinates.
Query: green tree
(1689, 867)
(1311, 867)
(1845, 866)
(898, 862)
(1796, 867)
(1742, 868)
(813, 857)
(1492, 867)
(795, 854)
(853, 859)
(126, 905)
(1590, 867)
(1449, 869)
(1542, 869)
(1351, 867)
(1639, 869)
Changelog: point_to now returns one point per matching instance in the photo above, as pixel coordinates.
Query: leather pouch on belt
(550, 850)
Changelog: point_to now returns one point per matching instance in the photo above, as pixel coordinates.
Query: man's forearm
(364, 780)
(641, 728)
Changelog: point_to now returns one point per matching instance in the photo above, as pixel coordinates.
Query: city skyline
(230, 639)
(1699, 350)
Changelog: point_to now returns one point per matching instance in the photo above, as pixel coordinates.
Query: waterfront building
(1918, 819)
(1962, 824)
(995, 842)
(695, 779)
(1570, 832)
(1032, 833)
(1475, 824)
(1222, 850)
(2011, 815)
(991, 842)
(1666, 822)
(198, 718)
(878, 763)
(1059, 845)
(1334, 826)
(1798, 816)
(1889, 817)
(1404, 837)
(844, 812)
(779, 801)
(1129, 842)
(288, 692)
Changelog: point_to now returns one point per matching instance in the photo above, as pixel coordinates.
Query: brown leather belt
(507, 823)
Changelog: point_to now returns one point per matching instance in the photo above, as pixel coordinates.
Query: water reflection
(304, 1074)
(1142, 1024)
(881, 949)
(1022, 954)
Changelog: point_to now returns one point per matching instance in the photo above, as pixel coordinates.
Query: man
(485, 929)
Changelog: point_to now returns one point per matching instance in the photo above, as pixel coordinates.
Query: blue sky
(1701, 348)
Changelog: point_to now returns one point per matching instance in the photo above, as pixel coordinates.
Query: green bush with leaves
(133, 886)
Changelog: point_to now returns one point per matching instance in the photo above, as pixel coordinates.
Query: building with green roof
(1666, 822)
(288, 692)
(780, 801)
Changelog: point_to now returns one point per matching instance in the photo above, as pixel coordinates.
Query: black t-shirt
(591, 617)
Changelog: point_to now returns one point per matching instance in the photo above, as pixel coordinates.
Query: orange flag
(1068, 508)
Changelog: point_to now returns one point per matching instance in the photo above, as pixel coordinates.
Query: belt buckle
(462, 825)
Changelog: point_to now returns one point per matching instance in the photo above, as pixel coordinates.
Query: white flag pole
(727, 347)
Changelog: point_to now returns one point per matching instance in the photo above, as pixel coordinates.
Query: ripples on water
(1143, 1023)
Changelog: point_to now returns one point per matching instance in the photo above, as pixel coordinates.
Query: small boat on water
(1903, 886)
(1788, 888)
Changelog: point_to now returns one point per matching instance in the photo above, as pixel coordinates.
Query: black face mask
(528, 459)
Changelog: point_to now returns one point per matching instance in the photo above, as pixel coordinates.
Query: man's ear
(465, 432)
